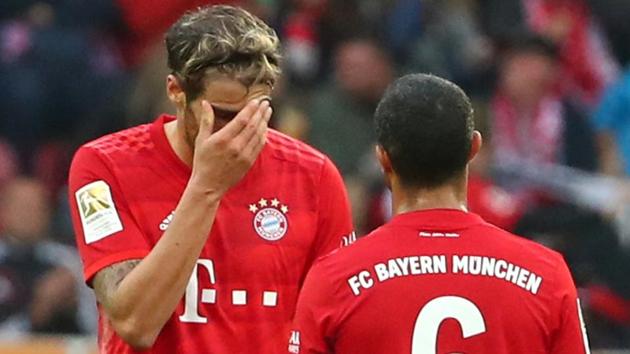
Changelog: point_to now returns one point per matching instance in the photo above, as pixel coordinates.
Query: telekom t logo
(209, 296)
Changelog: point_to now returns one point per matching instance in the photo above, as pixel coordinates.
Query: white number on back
(431, 316)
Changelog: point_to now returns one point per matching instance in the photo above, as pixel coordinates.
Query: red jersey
(438, 282)
(289, 209)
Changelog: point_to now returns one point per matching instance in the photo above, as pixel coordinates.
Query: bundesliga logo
(270, 221)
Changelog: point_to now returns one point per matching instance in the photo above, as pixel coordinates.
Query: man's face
(527, 76)
(25, 214)
(361, 69)
(227, 97)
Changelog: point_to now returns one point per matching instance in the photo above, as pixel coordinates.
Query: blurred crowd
(547, 78)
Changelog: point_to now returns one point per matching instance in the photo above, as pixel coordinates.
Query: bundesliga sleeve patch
(99, 216)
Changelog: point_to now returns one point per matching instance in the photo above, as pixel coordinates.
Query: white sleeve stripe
(587, 349)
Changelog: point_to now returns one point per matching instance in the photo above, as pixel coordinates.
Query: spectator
(48, 53)
(612, 121)
(301, 40)
(452, 46)
(531, 120)
(613, 15)
(146, 23)
(586, 63)
(404, 26)
(40, 287)
(342, 110)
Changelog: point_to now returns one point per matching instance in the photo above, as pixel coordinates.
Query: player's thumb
(206, 121)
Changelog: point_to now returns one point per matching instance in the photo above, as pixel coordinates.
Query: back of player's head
(222, 39)
(425, 125)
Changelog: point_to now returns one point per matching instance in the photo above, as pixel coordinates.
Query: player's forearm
(148, 295)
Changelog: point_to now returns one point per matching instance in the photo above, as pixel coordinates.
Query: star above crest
(264, 203)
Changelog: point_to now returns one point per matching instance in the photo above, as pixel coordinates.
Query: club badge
(270, 221)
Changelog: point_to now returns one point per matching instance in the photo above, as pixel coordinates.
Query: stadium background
(554, 168)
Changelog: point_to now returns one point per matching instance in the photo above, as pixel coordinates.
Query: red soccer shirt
(439, 281)
(289, 209)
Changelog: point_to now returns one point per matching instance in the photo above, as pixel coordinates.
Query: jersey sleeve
(570, 336)
(334, 226)
(313, 324)
(106, 232)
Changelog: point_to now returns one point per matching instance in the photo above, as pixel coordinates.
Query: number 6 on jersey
(431, 316)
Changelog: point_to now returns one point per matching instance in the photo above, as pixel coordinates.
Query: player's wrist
(205, 191)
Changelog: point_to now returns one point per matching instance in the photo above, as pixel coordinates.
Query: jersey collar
(442, 219)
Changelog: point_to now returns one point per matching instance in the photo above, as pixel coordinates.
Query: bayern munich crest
(270, 221)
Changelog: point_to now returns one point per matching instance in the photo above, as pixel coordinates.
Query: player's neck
(178, 143)
(449, 196)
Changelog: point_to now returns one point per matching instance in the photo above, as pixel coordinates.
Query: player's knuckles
(242, 119)
(200, 138)
(262, 130)
(233, 149)
(257, 147)
(260, 137)
(264, 133)
(244, 160)
(252, 125)
(219, 141)
(248, 131)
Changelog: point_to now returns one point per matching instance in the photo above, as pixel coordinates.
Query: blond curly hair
(222, 39)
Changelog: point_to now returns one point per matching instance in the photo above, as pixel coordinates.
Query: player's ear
(475, 145)
(386, 165)
(383, 160)
(175, 91)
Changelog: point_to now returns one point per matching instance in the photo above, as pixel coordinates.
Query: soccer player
(197, 230)
(436, 279)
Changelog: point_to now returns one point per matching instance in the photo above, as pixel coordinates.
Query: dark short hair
(425, 124)
(520, 41)
(222, 39)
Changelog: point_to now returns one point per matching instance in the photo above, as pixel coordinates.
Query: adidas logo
(349, 239)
